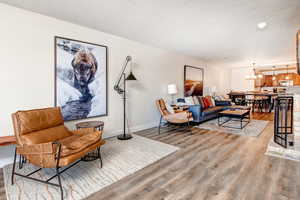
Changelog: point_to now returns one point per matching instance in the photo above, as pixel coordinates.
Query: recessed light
(262, 25)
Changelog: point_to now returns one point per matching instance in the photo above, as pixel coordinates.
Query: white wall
(238, 81)
(218, 77)
(27, 70)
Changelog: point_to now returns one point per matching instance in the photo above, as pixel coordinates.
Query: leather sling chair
(179, 117)
(44, 141)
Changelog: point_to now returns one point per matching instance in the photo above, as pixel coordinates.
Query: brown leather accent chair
(179, 117)
(44, 141)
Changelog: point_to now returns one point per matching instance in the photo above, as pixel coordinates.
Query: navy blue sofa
(201, 115)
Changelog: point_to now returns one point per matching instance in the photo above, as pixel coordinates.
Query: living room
(147, 150)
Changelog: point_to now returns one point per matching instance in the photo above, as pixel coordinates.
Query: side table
(98, 125)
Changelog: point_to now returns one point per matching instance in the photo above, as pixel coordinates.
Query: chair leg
(22, 160)
(99, 156)
(261, 106)
(14, 167)
(188, 127)
(159, 125)
(59, 182)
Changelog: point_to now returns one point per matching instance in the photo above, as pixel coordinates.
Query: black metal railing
(283, 120)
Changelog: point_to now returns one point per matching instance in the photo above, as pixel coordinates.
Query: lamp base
(124, 137)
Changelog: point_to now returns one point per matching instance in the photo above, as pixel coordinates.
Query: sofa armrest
(222, 102)
(196, 111)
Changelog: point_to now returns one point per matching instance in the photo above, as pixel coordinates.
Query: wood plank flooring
(209, 165)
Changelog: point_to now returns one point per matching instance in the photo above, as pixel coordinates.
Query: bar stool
(258, 102)
(261, 102)
(250, 101)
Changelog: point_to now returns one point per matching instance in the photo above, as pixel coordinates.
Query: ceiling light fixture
(262, 25)
(251, 76)
(287, 73)
(274, 77)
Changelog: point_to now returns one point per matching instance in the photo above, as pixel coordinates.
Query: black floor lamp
(122, 91)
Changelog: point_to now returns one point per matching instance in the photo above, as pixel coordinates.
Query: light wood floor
(209, 165)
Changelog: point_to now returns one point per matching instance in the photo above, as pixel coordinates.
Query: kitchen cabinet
(267, 80)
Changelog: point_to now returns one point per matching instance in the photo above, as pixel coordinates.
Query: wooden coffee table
(243, 116)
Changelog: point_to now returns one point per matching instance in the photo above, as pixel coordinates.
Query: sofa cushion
(76, 143)
(47, 135)
(223, 103)
(212, 110)
(34, 120)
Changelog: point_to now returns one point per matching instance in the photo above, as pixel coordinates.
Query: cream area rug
(253, 129)
(120, 159)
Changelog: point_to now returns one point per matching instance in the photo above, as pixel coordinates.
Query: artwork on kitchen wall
(298, 51)
(193, 81)
(80, 78)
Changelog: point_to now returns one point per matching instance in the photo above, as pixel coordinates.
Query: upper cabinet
(267, 80)
(280, 73)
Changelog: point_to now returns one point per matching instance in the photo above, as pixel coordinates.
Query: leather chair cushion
(47, 135)
(34, 120)
(64, 161)
(178, 118)
(77, 143)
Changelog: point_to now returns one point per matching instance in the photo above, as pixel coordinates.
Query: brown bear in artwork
(84, 66)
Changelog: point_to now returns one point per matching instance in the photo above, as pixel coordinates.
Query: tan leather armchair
(179, 117)
(44, 141)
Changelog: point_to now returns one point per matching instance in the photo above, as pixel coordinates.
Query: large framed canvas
(193, 81)
(298, 51)
(80, 78)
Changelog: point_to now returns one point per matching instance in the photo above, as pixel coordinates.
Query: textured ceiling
(213, 30)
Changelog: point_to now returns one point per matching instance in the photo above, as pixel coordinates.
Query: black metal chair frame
(174, 124)
(58, 170)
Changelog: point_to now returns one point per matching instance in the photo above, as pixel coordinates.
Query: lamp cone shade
(131, 77)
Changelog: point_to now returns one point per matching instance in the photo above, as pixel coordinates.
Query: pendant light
(251, 76)
(274, 77)
(287, 73)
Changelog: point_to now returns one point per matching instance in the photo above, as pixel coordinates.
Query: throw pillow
(189, 101)
(217, 98)
(205, 102)
(200, 99)
(181, 100)
(196, 101)
(211, 101)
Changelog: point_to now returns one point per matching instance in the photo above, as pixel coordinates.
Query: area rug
(290, 153)
(253, 129)
(120, 159)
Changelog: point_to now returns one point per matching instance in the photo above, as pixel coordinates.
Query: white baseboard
(7, 152)
(132, 129)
